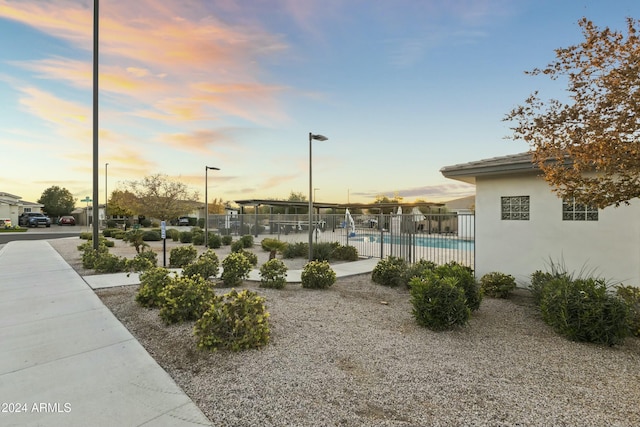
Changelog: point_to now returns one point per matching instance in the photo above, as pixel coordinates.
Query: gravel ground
(353, 356)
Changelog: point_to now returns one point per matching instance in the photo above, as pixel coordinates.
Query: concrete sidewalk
(65, 360)
(364, 266)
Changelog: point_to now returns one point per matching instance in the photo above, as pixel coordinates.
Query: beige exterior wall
(610, 246)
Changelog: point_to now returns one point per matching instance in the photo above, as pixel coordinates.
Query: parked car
(34, 219)
(67, 220)
(183, 220)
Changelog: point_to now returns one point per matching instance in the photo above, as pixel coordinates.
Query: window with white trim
(573, 211)
(515, 208)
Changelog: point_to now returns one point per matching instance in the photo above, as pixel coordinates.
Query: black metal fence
(436, 237)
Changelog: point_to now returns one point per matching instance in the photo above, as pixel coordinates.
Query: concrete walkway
(65, 360)
(293, 276)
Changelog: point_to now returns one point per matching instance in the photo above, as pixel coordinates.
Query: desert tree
(587, 146)
(163, 198)
(57, 201)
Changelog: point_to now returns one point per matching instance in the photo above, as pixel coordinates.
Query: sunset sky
(401, 88)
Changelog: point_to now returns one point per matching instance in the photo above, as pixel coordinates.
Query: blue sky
(401, 88)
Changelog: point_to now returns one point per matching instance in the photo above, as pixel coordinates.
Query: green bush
(465, 279)
(583, 310)
(631, 296)
(247, 241)
(227, 239)
(152, 282)
(186, 237)
(182, 255)
(439, 303)
(108, 232)
(497, 285)
(109, 263)
(417, 270)
(86, 235)
(317, 275)
(142, 261)
(151, 236)
(214, 241)
(118, 234)
(235, 269)
(173, 234)
(390, 271)
(205, 266)
(90, 256)
(198, 239)
(345, 253)
(155, 224)
(236, 321)
(323, 251)
(111, 224)
(253, 258)
(295, 250)
(237, 246)
(273, 274)
(185, 298)
(146, 223)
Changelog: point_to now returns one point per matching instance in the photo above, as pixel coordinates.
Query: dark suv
(34, 219)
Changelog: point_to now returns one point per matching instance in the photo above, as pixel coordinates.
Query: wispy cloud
(429, 192)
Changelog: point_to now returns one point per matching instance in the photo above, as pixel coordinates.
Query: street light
(206, 204)
(317, 138)
(106, 193)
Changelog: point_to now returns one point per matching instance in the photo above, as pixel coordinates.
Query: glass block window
(573, 211)
(515, 208)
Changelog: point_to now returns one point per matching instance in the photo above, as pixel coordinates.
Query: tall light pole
(206, 204)
(317, 138)
(106, 192)
(96, 20)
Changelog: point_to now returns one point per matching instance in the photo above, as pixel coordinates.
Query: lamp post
(106, 192)
(96, 32)
(317, 138)
(206, 204)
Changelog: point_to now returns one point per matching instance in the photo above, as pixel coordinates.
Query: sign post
(87, 200)
(163, 234)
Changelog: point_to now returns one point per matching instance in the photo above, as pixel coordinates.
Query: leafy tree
(588, 147)
(382, 199)
(162, 198)
(216, 207)
(122, 203)
(57, 201)
(297, 197)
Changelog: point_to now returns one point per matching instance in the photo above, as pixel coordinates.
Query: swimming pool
(424, 241)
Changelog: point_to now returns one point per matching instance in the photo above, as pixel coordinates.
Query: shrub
(109, 232)
(418, 269)
(186, 237)
(323, 251)
(86, 235)
(247, 241)
(109, 263)
(145, 223)
(317, 275)
(497, 285)
(136, 238)
(151, 236)
(631, 296)
(252, 257)
(155, 224)
(583, 310)
(465, 279)
(439, 303)
(295, 250)
(539, 279)
(142, 261)
(182, 255)
(118, 234)
(111, 224)
(90, 255)
(236, 321)
(273, 274)
(152, 282)
(185, 298)
(237, 246)
(173, 234)
(235, 268)
(198, 239)
(205, 266)
(345, 253)
(214, 241)
(390, 271)
(227, 239)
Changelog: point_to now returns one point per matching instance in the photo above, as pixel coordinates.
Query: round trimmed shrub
(345, 253)
(497, 285)
(205, 266)
(465, 279)
(186, 237)
(214, 241)
(273, 274)
(151, 236)
(227, 239)
(152, 282)
(317, 275)
(417, 270)
(237, 246)
(390, 271)
(185, 298)
(253, 258)
(247, 241)
(182, 255)
(235, 268)
(197, 239)
(439, 303)
(236, 321)
(142, 261)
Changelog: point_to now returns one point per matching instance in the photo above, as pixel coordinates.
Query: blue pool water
(424, 241)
